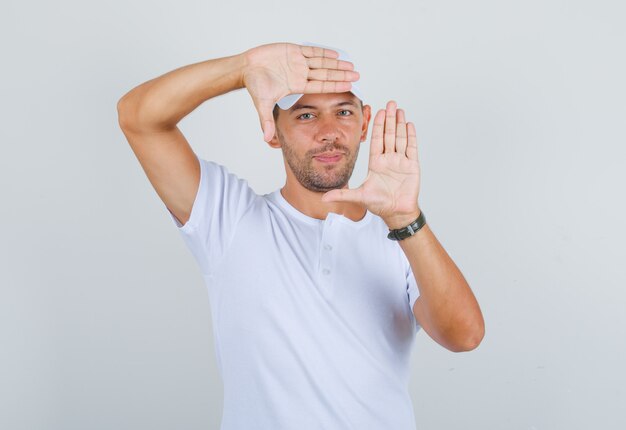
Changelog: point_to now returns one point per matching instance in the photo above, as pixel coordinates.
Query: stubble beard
(321, 178)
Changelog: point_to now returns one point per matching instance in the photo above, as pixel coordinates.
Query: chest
(304, 280)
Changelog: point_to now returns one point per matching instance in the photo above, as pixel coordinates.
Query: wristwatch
(409, 230)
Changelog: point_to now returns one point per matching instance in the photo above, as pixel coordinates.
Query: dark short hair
(276, 109)
(275, 112)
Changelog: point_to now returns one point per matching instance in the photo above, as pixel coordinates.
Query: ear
(367, 114)
(274, 143)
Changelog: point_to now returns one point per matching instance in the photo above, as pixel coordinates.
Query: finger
(411, 148)
(344, 195)
(316, 51)
(376, 145)
(267, 119)
(401, 134)
(332, 75)
(326, 87)
(329, 63)
(389, 138)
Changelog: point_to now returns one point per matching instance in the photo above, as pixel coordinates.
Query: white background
(520, 113)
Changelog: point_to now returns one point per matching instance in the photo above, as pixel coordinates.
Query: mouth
(328, 158)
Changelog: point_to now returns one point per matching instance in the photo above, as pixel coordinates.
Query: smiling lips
(329, 157)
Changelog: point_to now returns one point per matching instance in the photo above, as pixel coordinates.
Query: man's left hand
(392, 184)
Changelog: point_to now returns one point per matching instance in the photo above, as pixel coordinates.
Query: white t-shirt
(312, 319)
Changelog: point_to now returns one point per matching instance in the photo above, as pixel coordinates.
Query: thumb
(267, 120)
(343, 195)
(268, 130)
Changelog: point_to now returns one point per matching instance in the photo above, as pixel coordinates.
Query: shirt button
(325, 271)
(328, 247)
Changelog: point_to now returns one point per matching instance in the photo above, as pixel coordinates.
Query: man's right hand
(278, 69)
(150, 112)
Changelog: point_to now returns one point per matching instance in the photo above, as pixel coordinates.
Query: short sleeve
(411, 289)
(221, 200)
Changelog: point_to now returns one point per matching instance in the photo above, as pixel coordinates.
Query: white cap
(289, 100)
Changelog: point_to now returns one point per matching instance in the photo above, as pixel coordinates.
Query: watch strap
(409, 230)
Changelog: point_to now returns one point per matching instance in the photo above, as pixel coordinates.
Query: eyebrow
(299, 106)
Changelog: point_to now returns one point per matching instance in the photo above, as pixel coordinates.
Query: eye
(348, 112)
(301, 116)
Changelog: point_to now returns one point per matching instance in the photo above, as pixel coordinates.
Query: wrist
(408, 230)
(243, 59)
(402, 220)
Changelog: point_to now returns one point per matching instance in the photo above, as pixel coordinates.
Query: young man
(314, 308)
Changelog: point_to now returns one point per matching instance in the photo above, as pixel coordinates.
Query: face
(320, 137)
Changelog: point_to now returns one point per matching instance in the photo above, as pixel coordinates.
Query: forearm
(446, 308)
(160, 103)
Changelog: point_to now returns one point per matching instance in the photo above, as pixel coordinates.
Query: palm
(391, 187)
(278, 69)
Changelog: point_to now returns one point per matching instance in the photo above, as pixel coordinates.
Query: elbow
(472, 338)
(131, 112)
(471, 343)
(124, 109)
(137, 115)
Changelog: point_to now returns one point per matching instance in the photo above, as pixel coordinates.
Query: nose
(327, 130)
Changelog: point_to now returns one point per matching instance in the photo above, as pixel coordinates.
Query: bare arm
(149, 114)
(446, 307)
(160, 103)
